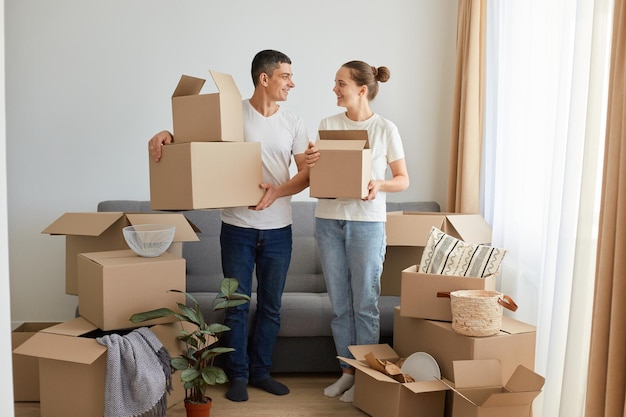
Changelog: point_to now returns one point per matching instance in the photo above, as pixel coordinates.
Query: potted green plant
(196, 363)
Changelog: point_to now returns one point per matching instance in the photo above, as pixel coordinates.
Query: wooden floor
(305, 399)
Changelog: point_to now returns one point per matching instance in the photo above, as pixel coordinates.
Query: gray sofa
(305, 342)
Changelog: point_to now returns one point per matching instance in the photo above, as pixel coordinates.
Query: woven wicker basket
(478, 312)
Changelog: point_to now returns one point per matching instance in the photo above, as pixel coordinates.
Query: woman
(351, 232)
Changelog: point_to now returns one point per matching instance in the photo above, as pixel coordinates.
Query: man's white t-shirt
(386, 147)
(281, 135)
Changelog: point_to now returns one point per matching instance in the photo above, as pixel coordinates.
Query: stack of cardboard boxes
(480, 375)
(62, 365)
(209, 166)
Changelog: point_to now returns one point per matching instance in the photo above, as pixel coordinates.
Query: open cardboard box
(212, 117)
(25, 368)
(72, 367)
(379, 395)
(205, 175)
(407, 228)
(345, 165)
(114, 285)
(514, 345)
(418, 296)
(407, 234)
(480, 391)
(102, 231)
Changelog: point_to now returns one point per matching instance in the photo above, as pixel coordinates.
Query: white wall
(89, 82)
(6, 381)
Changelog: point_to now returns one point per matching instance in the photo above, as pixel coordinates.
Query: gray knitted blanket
(138, 375)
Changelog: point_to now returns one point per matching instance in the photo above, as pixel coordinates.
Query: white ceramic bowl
(149, 240)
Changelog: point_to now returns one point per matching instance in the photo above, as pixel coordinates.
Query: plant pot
(198, 410)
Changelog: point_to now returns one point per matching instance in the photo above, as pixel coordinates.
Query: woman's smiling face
(345, 88)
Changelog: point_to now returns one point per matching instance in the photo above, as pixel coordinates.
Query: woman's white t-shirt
(281, 135)
(386, 147)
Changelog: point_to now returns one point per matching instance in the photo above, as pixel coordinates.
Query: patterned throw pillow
(447, 255)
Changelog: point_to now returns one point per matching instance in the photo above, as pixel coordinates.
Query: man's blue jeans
(352, 255)
(243, 250)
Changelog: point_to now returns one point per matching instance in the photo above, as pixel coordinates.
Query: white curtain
(546, 82)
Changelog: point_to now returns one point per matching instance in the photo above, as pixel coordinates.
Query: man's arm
(156, 143)
(296, 184)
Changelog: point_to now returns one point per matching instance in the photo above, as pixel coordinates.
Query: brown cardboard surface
(514, 345)
(479, 389)
(407, 234)
(381, 396)
(397, 259)
(471, 228)
(407, 228)
(418, 294)
(72, 368)
(25, 368)
(345, 165)
(211, 117)
(204, 175)
(109, 285)
(102, 231)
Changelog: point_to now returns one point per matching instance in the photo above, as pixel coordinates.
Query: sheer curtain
(545, 109)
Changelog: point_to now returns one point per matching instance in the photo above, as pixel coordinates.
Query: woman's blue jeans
(245, 250)
(352, 255)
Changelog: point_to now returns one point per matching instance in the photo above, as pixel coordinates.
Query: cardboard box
(405, 228)
(73, 367)
(344, 169)
(26, 369)
(418, 296)
(397, 259)
(213, 117)
(102, 231)
(114, 285)
(514, 345)
(479, 390)
(203, 175)
(407, 234)
(379, 395)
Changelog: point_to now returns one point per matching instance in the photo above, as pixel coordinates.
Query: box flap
(225, 83)
(185, 230)
(382, 352)
(504, 399)
(512, 326)
(364, 367)
(451, 387)
(83, 224)
(411, 228)
(125, 257)
(74, 327)
(426, 386)
(471, 228)
(188, 86)
(477, 373)
(343, 136)
(341, 145)
(523, 379)
(62, 348)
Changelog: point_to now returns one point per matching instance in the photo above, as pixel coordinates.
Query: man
(260, 237)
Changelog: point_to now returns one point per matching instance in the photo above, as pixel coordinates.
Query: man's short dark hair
(266, 62)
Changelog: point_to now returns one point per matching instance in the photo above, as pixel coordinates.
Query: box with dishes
(389, 386)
